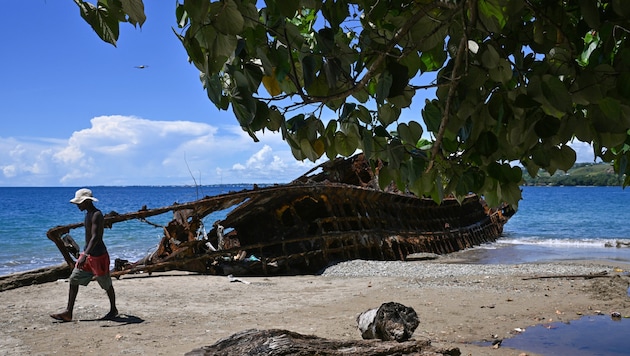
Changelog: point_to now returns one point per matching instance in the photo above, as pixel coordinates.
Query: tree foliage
(515, 80)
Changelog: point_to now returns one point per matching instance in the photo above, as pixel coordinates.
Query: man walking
(94, 261)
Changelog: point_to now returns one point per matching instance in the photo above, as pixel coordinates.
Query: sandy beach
(175, 312)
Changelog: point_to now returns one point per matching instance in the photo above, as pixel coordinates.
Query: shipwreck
(333, 213)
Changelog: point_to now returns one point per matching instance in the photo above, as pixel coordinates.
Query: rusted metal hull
(302, 227)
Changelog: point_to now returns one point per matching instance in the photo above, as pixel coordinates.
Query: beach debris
(496, 343)
(519, 330)
(276, 342)
(335, 212)
(231, 278)
(422, 256)
(71, 246)
(390, 321)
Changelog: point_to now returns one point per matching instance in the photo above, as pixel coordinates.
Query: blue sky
(75, 111)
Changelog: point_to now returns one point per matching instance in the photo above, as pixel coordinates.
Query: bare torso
(94, 230)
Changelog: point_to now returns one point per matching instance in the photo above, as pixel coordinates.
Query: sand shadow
(120, 320)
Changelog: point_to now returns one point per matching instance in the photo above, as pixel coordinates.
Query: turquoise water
(552, 223)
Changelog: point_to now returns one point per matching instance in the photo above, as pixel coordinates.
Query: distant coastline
(582, 174)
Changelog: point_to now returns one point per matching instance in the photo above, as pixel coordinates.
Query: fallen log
(390, 322)
(37, 276)
(276, 342)
(585, 276)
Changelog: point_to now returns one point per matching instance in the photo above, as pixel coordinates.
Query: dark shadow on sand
(120, 320)
(160, 275)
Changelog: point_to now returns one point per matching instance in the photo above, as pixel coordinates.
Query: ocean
(552, 223)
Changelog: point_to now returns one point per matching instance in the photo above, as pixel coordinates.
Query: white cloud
(127, 150)
(583, 151)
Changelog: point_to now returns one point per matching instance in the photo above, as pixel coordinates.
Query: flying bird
(142, 66)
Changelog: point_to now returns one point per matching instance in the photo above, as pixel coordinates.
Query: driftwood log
(390, 322)
(277, 342)
(38, 276)
(585, 276)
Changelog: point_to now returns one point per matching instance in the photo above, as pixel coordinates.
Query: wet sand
(175, 312)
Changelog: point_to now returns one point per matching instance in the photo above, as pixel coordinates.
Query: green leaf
(197, 10)
(502, 73)
(308, 70)
(410, 133)
(288, 8)
(226, 17)
(181, 15)
(432, 116)
(383, 87)
(243, 104)
(388, 114)
(335, 12)
(275, 119)
(490, 57)
(98, 17)
(557, 94)
(541, 157)
(511, 194)
(362, 96)
(214, 88)
(319, 87)
(404, 100)
(611, 108)
(563, 158)
(346, 144)
(386, 176)
(135, 11)
(433, 59)
(622, 8)
(547, 126)
(253, 75)
(307, 150)
(380, 131)
(348, 108)
(492, 15)
(427, 34)
(487, 143)
(364, 115)
(400, 78)
(261, 118)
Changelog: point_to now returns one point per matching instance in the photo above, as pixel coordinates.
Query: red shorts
(97, 265)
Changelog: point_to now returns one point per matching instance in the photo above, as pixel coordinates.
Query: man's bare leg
(72, 297)
(113, 311)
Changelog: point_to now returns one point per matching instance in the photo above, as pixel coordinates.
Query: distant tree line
(583, 174)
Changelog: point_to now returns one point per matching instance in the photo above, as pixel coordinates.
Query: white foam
(565, 242)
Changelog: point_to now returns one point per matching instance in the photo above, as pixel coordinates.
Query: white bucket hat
(81, 195)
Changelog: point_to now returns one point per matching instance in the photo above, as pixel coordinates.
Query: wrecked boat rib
(302, 227)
